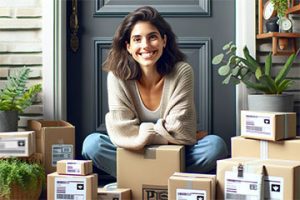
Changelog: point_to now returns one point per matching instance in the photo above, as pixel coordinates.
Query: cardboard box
(191, 186)
(282, 150)
(114, 194)
(231, 165)
(71, 187)
(74, 167)
(281, 177)
(55, 140)
(271, 126)
(146, 172)
(17, 144)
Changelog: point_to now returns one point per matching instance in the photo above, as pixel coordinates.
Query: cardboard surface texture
(55, 140)
(146, 172)
(72, 187)
(74, 167)
(17, 144)
(281, 177)
(114, 194)
(282, 150)
(271, 126)
(191, 186)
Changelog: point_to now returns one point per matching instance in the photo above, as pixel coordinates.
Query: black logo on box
(200, 197)
(21, 143)
(266, 121)
(80, 187)
(155, 193)
(275, 188)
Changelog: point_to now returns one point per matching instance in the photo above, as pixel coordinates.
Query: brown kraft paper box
(74, 167)
(283, 150)
(281, 177)
(114, 194)
(188, 186)
(55, 140)
(72, 187)
(272, 126)
(146, 172)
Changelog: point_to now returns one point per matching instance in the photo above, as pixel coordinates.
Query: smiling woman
(150, 97)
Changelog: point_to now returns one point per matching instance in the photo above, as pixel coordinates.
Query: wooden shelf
(277, 34)
(294, 9)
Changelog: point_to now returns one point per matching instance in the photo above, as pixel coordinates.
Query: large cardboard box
(281, 177)
(17, 144)
(282, 150)
(55, 140)
(72, 187)
(114, 194)
(191, 186)
(146, 172)
(271, 126)
(74, 167)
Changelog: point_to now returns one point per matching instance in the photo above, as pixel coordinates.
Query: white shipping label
(244, 188)
(61, 152)
(258, 125)
(70, 188)
(274, 188)
(14, 146)
(73, 167)
(187, 194)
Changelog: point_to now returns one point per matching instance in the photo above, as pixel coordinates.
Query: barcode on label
(236, 196)
(12, 151)
(65, 196)
(254, 128)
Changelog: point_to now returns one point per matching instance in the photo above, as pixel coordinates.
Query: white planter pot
(271, 103)
(8, 121)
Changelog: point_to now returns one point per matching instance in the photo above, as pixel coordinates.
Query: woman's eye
(136, 39)
(153, 37)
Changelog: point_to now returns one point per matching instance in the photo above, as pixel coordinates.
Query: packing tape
(264, 149)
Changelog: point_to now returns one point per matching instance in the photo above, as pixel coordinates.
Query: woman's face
(146, 44)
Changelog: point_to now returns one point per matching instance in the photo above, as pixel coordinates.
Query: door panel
(201, 26)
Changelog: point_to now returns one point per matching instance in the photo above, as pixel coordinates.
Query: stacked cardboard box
(55, 140)
(267, 146)
(74, 179)
(146, 172)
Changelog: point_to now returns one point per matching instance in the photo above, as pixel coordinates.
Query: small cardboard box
(281, 150)
(271, 126)
(281, 177)
(17, 144)
(191, 186)
(114, 194)
(55, 140)
(146, 172)
(72, 187)
(74, 167)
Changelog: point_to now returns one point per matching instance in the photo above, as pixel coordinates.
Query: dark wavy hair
(121, 63)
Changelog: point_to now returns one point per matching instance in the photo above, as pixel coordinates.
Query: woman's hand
(201, 134)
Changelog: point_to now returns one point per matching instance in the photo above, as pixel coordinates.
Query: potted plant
(20, 180)
(14, 98)
(237, 69)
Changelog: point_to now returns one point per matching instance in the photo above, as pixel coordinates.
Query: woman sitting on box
(150, 97)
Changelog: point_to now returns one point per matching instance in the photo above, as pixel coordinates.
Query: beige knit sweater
(177, 123)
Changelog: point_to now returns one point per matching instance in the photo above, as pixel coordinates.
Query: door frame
(54, 59)
(54, 55)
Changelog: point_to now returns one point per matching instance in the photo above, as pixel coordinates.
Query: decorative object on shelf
(20, 180)
(15, 97)
(248, 70)
(284, 40)
(271, 24)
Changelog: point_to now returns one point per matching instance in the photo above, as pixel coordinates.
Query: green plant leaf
(227, 46)
(285, 70)
(224, 70)
(285, 84)
(258, 73)
(227, 79)
(218, 59)
(269, 83)
(235, 71)
(268, 64)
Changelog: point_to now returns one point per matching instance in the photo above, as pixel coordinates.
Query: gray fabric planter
(8, 121)
(271, 103)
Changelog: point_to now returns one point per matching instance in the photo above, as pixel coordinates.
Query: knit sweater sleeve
(123, 126)
(178, 124)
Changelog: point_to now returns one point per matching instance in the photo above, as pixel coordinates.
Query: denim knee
(220, 151)
(90, 146)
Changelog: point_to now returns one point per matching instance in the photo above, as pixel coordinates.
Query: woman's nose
(145, 42)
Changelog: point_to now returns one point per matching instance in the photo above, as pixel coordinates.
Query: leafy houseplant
(237, 69)
(20, 177)
(15, 97)
(280, 6)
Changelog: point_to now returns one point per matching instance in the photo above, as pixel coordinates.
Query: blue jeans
(199, 158)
